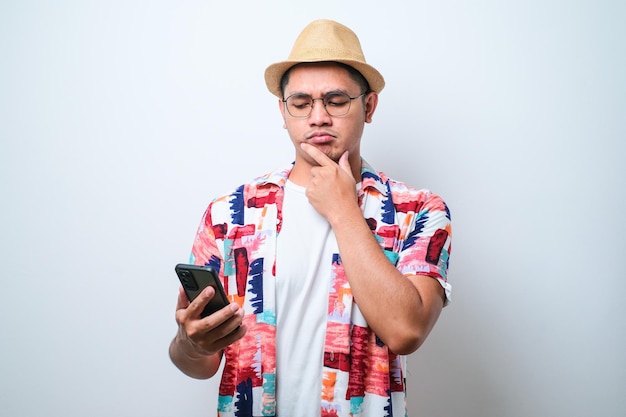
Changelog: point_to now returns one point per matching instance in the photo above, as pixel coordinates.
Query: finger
(344, 164)
(196, 306)
(319, 156)
(236, 334)
(182, 302)
(229, 339)
(224, 321)
(212, 330)
(223, 315)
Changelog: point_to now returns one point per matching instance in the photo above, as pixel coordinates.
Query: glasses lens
(337, 104)
(299, 105)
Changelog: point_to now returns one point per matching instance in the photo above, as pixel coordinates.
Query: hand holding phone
(195, 279)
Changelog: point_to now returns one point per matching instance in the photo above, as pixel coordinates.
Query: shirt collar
(369, 178)
(277, 177)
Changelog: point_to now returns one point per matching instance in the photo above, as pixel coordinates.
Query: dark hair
(352, 72)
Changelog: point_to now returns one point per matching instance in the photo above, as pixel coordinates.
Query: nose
(319, 116)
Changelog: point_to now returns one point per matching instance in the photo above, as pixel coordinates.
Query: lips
(320, 137)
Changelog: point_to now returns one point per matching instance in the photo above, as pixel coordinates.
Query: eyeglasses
(336, 104)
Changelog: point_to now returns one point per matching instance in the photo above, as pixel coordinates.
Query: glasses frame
(284, 100)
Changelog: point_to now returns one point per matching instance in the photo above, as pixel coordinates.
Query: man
(334, 271)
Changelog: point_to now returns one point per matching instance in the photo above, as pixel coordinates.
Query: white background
(120, 120)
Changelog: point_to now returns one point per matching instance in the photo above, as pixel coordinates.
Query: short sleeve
(205, 250)
(426, 241)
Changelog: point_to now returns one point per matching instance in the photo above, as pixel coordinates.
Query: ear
(371, 101)
(281, 107)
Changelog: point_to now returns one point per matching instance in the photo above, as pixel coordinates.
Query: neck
(300, 174)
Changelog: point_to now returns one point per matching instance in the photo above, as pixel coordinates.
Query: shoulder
(422, 198)
(258, 192)
(405, 197)
(268, 182)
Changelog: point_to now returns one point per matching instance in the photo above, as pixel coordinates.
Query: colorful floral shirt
(361, 376)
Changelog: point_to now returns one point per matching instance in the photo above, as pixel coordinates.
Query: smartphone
(195, 278)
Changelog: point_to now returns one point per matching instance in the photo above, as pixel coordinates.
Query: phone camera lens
(188, 281)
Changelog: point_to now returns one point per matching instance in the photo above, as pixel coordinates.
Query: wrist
(347, 218)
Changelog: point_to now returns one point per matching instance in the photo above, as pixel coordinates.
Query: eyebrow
(338, 90)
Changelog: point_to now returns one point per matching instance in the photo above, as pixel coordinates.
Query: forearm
(190, 360)
(400, 310)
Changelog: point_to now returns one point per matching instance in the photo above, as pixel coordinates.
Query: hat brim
(274, 74)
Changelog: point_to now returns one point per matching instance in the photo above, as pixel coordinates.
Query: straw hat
(321, 41)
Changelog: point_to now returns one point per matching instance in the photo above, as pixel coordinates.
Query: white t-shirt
(305, 246)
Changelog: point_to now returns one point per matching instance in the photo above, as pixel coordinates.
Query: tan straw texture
(323, 41)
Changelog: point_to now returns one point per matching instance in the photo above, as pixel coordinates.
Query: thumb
(182, 302)
(344, 164)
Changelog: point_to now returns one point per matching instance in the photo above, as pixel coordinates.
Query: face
(333, 135)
